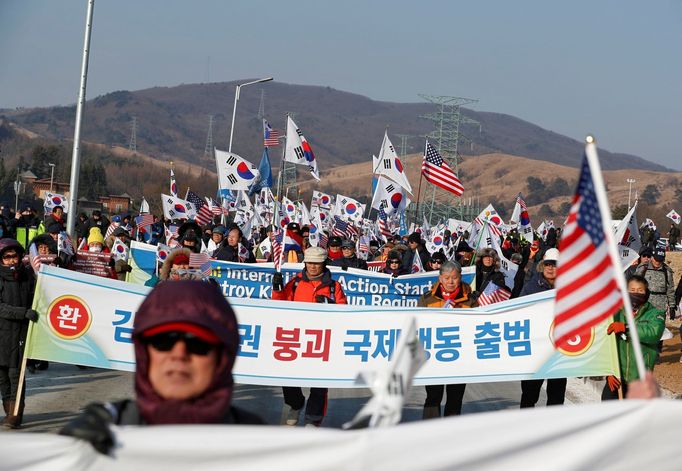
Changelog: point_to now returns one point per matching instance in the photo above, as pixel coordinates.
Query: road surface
(57, 394)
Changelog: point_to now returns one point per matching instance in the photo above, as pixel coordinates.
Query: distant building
(116, 204)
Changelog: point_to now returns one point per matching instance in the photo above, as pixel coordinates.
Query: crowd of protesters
(201, 339)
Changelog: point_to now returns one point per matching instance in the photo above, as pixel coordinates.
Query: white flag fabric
(521, 218)
(119, 251)
(144, 206)
(389, 164)
(304, 214)
(177, 208)
(55, 199)
(391, 386)
(173, 187)
(290, 209)
(390, 195)
(298, 149)
(673, 216)
(234, 172)
(349, 208)
(323, 200)
(627, 237)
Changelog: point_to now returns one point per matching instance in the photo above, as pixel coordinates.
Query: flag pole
(485, 226)
(419, 190)
(595, 170)
(22, 374)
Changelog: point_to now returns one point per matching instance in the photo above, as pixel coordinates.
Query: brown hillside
(499, 177)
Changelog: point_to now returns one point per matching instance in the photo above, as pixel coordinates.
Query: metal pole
(51, 176)
(630, 182)
(75, 158)
(236, 99)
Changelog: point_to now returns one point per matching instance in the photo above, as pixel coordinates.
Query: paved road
(56, 395)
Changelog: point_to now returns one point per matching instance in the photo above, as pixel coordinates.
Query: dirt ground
(669, 370)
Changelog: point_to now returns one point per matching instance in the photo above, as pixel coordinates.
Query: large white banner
(618, 435)
(88, 320)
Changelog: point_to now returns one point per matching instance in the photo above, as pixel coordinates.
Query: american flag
(204, 213)
(493, 294)
(344, 229)
(586, 286)
(436, 171)
(270, 136)
(144, 220)
(215, 208)
(200, 261)
(384, 230)
(277, 248)
(324, 239)
(111, 228)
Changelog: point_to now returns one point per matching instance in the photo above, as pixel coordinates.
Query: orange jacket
(307, 291)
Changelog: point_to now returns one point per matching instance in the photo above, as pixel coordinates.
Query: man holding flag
(313, 285)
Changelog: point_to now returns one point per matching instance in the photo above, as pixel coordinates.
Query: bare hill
(342, 127)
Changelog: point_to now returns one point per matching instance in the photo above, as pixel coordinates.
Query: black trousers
(453, 403)
(316, 408)
(608, 395)
(9, 382)
(530, 391)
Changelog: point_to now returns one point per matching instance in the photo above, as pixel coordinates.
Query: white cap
(314, 255)
(551, 255)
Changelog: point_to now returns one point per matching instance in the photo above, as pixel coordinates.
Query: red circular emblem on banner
(69, 317)
(575, 346)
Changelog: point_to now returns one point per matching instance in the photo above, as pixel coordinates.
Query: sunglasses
(14, 256)
(436, 262)
(165, 342)
(550, 263)
(393, 262)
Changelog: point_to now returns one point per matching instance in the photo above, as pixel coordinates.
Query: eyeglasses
(165, 342)
(10, 256)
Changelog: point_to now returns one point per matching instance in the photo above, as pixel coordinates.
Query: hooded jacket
(16, 297)
(301, 288)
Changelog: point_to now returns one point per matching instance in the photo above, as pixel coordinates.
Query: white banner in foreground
(88, 320)
(617, 435)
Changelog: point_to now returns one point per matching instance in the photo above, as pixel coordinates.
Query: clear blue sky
(610, 67)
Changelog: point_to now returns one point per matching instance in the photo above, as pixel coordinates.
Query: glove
(616, 328)
(323, 299)
(92, 426)
(277, 282)
(31, 315)
(672, 312)
(613, 382)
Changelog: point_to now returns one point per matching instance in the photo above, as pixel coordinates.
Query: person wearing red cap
(185, 338)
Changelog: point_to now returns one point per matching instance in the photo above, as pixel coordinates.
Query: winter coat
(129, 414)
(349, 262)
(408, 258)
(434, 297)
(650, 323)
(302, 289)
(483, 278)
(661, 284)
(16, 296)
(228, 253)
(535, 284)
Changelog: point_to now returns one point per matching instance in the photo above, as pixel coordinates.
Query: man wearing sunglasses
(185, 337)
(17, 284)
(313, 285)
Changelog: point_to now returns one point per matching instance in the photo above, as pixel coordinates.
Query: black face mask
(638, 299)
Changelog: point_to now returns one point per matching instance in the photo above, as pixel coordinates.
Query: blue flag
(403, 224)
(265, 170)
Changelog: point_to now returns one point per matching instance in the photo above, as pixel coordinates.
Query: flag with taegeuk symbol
(586, 287)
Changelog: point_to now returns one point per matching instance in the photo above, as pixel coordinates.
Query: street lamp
(51, 176)
(630, 181)
(236, 99)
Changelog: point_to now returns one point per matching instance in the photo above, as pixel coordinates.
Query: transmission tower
(208, 150)
(261, 106)
(446, 136)
(132, 145)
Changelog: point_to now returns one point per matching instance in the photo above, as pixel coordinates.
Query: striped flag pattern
(200, 261)
(382, 221)
(204, 213)
(439, 173)
(270, 136)
(493, 294)
(586, 287)
(277, 248)
(144, 220)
